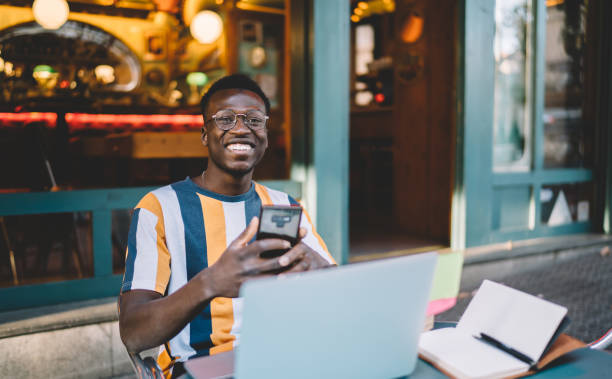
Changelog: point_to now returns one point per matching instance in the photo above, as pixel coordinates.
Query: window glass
(511, 126)
(566, 203)
(45, 248)
(564, 118)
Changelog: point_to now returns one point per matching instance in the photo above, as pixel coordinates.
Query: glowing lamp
(43, 71)
(412, 28)
(50, 14)
(197, 79)
(45, 76)
(105, 74)
(379, 97)
(206, 27)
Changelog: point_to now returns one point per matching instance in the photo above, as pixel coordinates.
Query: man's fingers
(303, 232)
(259, 246)
(303, 265)
(286, 260)
(247, 234)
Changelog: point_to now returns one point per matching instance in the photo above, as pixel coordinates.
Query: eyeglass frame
(244, 115)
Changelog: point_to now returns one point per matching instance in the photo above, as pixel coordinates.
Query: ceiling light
(50, 14)
(206, 27)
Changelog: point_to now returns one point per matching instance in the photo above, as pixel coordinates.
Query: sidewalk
(581, 281)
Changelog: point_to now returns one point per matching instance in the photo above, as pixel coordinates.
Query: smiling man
(191, 244)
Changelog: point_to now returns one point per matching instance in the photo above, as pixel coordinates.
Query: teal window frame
(101, 203)
(473, 204)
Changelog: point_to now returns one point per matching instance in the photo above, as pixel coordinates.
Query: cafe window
(45, 248)
(127, 117)
(544, 61)
(512, 127)
(106, 107)
(566, 126)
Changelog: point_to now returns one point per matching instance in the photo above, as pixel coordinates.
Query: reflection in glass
(45, 248)
(364, 48)
(566, 203)
(564, 81)
(511, 127)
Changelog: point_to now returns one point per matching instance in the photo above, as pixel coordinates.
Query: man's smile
(239, 147)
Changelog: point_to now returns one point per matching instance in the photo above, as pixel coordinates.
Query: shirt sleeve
(147, 264)
(313, 239)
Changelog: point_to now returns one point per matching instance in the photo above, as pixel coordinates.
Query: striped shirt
(179, 230)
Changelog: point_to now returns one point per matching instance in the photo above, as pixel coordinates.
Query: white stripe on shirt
(175, 241)
(146, 251)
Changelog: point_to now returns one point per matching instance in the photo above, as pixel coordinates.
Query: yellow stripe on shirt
(263, 194)
(221, 310)
(151, 203)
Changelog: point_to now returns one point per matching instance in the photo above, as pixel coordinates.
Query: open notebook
(503, 332)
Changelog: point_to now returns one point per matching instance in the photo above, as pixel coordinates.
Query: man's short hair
(234, 81)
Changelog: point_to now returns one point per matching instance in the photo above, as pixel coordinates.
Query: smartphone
(279, 221)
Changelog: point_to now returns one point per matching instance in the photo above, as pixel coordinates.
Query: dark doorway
(402, 126)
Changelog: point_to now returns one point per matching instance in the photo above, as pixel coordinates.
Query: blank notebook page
(457, 352)
(519, 320)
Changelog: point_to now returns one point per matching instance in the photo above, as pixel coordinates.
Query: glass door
(529, 121)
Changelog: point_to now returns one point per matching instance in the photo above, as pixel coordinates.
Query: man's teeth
(239, 147)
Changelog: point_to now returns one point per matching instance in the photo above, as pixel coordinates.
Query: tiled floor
(583, 284)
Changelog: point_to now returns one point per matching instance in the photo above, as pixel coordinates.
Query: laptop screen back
(356, 321)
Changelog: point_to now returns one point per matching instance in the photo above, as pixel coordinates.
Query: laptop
(357, 321)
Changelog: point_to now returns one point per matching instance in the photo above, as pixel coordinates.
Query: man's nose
(240, 126)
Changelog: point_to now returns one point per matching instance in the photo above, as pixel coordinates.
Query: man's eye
(255, 120)
(225, 120)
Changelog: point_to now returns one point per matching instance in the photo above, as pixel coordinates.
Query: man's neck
(224, 183)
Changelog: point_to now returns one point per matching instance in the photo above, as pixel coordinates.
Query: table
(581, 363)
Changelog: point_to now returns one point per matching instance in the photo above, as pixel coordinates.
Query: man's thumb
(248, 233)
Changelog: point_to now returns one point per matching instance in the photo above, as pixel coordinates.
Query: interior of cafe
(402, 126)
(104, 94)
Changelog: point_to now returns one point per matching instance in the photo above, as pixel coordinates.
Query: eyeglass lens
(226, 119)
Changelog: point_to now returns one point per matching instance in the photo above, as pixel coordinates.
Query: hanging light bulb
(206, 27)
(50, 14)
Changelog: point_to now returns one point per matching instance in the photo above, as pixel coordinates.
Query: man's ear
(204, 136)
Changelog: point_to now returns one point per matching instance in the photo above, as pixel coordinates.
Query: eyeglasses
(225, 119)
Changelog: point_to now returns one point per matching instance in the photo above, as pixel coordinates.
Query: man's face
(239, 149)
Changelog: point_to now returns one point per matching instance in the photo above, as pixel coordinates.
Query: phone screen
(279, 221)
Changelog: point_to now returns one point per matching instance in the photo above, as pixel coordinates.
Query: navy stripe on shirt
(131, 255)
(196, 260)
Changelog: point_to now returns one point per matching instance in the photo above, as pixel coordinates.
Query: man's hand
(241, 261)
(311, 259)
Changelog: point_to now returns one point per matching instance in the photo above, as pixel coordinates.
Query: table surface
(580, 363)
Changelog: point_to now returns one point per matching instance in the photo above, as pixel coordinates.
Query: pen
(500, 345)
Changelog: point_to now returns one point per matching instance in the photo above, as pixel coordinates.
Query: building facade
(419, 122)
